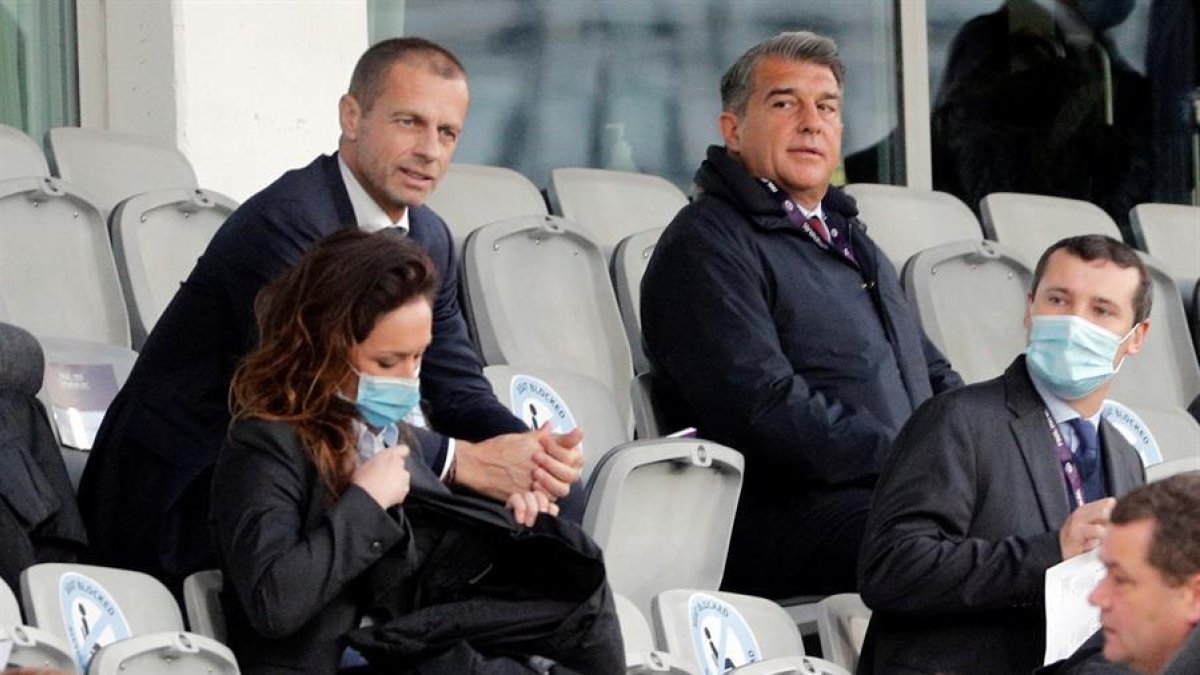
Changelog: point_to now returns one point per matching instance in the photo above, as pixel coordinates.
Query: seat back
(904, 220)
(1165, 374)
(567, 400)
(970, 298)
(1029, 224)
(57, 274)
(640, 653)
(663, 510)
(712, 631)
(538, 294)
(470, 196)
(202, 601)
(1171, 233)
(90, 607)
(157, 238)
(20, 155)
(629, 262)
(165, 652)
(612, 205)
(113, 166)
(842, 621)
(1168, 439)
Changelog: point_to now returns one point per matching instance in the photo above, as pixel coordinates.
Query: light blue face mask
(384, 400)
(1072, 356)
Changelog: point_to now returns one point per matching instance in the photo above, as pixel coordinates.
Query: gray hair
(738, 81)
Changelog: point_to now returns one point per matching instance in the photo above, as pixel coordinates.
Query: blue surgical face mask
(384, 400)
(1070, 355)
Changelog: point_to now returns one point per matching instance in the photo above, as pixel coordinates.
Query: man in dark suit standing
(990, 485)
(145, 491)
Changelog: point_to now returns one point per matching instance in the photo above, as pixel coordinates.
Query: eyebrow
(791, 91)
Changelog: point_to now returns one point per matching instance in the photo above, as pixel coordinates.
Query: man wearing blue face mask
(989, 485)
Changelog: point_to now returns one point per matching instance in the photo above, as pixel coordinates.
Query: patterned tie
(819, 227)
(1088, 455)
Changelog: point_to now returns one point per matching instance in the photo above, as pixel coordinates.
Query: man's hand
(523, 462)
(526, 506)
(1085, 527)
(385, 476)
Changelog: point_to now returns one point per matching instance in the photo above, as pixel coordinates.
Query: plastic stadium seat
(112, 166)
(640, 655)
(538, 294)
(1165, 374)
(611, 205)
(629, 262)
(472, 195)
(1031, 223)
(31, 646)
(118, 622)
(842, 627)
(970, 298)
(1171, 233)
(157, 238)
(202, 601)
(1175, 432)
(57, 274)
(20, 156)
(539, 395)
(663, 510)
(711, 631)
(903, 220)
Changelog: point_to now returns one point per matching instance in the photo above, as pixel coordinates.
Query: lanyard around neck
(1067, 460)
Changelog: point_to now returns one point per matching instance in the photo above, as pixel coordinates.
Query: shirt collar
(818, 212)
(367, 212)
(371, 442)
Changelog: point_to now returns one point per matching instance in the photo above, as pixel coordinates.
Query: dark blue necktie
(1087, 457)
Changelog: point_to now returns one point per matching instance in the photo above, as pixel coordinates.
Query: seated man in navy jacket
(145, 491)
(781, 329)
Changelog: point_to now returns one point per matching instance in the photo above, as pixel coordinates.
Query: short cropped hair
(1091, 247)
(366, 84)
(1173, 504)
(804, 46)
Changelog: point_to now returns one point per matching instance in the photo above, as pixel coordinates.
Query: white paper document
(5, 651)
(1070, 619)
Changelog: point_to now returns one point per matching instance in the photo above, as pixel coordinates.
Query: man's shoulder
(967, 403)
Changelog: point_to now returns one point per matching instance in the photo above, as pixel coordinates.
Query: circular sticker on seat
(91, 616)
(535, 403)
(1134, 430)
(721, 636)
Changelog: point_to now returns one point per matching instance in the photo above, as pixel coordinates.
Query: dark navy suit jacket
(145, 491)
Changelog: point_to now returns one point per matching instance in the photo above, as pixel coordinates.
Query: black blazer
(963, 525)
(293, 562)
(145, 491)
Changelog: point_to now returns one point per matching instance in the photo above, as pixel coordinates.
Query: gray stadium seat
(717, 632)
(1029, 223)
(472, 195)
(562, 397)
(611, 205)
(538, 294)
(1171, 233)
(1165, 374)
(31, 646)
(112, 166)
(202, 602)
(20, 155)
(157, 238)
(640, 655)
(903, 220)
(663, 510)
(1176, 434)
(57, 274)
(842, 627)
(970, 298)
(118, 622)
(629, 262)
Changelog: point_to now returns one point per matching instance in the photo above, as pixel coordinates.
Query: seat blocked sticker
(91, 616)
(722, 638)
(535, 403)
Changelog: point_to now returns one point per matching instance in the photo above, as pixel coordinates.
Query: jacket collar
(721, 175)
